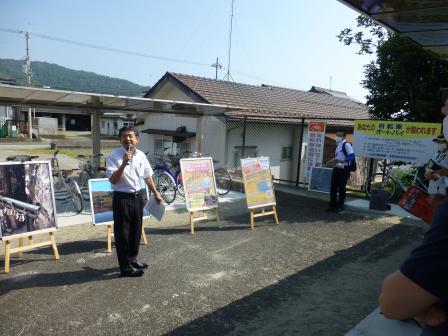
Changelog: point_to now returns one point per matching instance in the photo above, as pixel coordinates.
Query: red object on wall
(417, 202)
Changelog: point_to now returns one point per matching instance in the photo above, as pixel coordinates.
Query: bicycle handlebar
(22, 158)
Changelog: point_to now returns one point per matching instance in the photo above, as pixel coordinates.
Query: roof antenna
(228, 75)
(331, 79)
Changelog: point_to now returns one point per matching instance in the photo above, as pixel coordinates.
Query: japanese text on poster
(395, 140)
(199, 183)
(258, 182)
(315, 149)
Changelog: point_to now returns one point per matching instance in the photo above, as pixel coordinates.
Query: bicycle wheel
(378, 181)
(180, 185)
(167, 187)
(223, 181)
(75, 194)
(155, 176)
(83, 183)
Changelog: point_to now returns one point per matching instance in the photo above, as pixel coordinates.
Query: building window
(249, 152)
(287, 153)
(168, 147)
(102, 123)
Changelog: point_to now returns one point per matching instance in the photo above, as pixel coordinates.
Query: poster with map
(257, 180)
(199, 183)
(101, 195)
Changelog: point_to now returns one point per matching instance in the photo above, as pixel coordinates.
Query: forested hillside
(58, 77)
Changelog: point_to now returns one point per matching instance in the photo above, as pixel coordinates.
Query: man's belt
(133, 194)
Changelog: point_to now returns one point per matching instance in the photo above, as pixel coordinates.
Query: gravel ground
(314, 274)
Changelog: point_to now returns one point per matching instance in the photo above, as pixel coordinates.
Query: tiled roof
(5, 79)
(271, 100)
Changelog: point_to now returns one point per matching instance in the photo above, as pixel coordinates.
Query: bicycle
(88, 172)
(65, 186)
(390, 179)
(168, 179)
(22, 158)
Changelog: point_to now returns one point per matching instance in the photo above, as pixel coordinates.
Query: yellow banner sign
(258, 182)
(397, 129)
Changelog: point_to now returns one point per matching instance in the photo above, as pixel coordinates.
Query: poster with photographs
(199, 183)
(101, 195)
(26, 198)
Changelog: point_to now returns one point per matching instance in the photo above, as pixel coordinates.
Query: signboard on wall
(27, 201)
(315, 148)
(101, 195)
(395, 140)
(257, 180)
(199, 183)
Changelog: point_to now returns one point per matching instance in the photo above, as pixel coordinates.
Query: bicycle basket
(156, 160)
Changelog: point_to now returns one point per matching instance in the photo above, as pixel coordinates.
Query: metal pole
(299, 160)
(244, 138)
(29, 74)
(96, 139)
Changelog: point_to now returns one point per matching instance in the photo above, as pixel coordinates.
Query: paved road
(314, 274)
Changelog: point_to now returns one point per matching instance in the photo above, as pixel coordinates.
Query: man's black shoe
(131, 272)
(139, 266)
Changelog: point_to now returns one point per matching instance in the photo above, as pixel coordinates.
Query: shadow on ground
(278, 309)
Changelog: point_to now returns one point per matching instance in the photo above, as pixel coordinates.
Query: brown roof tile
(273, 101)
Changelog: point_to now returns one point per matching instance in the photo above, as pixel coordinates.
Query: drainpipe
(299, 161)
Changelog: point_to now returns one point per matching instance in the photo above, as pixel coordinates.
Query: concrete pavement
(306, 276)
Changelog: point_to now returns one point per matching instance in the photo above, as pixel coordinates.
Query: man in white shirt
(342, 157)
(126, 168)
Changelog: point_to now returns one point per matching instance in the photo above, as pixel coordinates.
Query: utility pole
(28, 73)
(216, 65)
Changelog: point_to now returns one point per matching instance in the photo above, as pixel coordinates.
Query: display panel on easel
(257, 180)
(199, 183)
(101, 195)
(27, 203)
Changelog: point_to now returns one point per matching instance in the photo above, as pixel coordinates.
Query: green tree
(404, 81)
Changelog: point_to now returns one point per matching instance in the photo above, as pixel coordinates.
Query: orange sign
(316, 127)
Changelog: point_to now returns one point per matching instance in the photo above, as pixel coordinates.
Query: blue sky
(289, 43)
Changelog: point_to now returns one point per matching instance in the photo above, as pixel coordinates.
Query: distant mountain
(58, 77)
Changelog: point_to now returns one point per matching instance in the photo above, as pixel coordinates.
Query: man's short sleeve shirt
(134, 173)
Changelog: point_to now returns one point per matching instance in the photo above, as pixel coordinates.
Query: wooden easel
(110, 235)
(204, 216)
(31, 245)
(263, 212)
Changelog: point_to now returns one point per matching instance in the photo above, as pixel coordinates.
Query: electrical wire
(139, 54)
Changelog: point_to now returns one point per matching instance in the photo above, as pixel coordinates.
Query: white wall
(215, 139)
(46, 125)
(269, 140)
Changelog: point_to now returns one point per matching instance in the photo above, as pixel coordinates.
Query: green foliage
(404, 81)
(58, 77)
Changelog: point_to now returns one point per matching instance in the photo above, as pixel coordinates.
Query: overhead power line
(99, 47)
(139, 54)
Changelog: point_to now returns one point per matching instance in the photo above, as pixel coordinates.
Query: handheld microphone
(129, 149)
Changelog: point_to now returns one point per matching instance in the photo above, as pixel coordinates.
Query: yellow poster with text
(257, 181)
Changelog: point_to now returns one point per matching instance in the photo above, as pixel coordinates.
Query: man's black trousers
(339, 179)
(128, 215)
